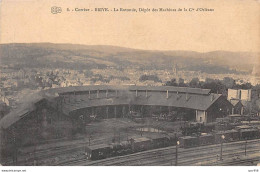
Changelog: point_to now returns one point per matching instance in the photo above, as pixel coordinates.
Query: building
(255, 75)
(69, 109)
(240, 94)
(238, 107)
(190, 104)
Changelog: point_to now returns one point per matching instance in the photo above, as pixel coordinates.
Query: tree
(229, 82)
(154, 78)
(181, 83)
(216, 86)
(194, 82)
(171, 83)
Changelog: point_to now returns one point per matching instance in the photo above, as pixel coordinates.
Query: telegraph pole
(176, 155)
(245, 147)
(119, 137)
(222, 139)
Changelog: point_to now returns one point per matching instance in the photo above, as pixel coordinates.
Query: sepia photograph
(129, 83)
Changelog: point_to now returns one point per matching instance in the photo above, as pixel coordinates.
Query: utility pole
(176, 155)
(222, 139)
(89, 138)
(107, 111)
(15, 152)
(119, 137)
(245, 147)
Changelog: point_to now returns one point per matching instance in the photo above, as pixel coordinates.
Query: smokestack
(212, 97)
(167, 94)
(249, 95)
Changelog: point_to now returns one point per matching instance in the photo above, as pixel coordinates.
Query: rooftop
(192, 98)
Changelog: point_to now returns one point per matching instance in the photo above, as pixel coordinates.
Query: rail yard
(129, 126)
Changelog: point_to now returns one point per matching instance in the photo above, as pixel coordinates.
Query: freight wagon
(189, 141)
(246, 134)
(159, 141)
(96, 152)
(206, 139)
(230, 135)
(141, 144)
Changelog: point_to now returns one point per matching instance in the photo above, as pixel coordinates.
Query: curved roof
(193, 98)
(128, 87)
(191, 101)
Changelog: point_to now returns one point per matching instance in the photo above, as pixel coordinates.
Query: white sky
(233, 26)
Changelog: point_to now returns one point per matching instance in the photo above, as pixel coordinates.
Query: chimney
(167, 94)
(212, 97)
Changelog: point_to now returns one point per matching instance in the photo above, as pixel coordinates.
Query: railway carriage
(141, 144)
(174, 138)
(246, 134)
(96, 152)
(230, 135)
(122, 148)
(159, 141)
(189, 141)
(206, 139)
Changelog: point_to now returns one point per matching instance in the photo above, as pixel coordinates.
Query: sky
(233, 26)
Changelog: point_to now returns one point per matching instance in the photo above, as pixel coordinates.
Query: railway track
(193, 159)
(244, 162)
(162, 156)
(182, 160)
(168, 154)
(47, 154)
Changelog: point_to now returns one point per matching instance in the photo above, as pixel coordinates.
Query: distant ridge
(36, 54)
(118, 48)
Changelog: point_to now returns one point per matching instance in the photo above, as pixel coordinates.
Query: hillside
(101, 56)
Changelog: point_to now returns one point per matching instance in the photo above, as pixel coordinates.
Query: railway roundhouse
(116, 101)
(63, 108)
